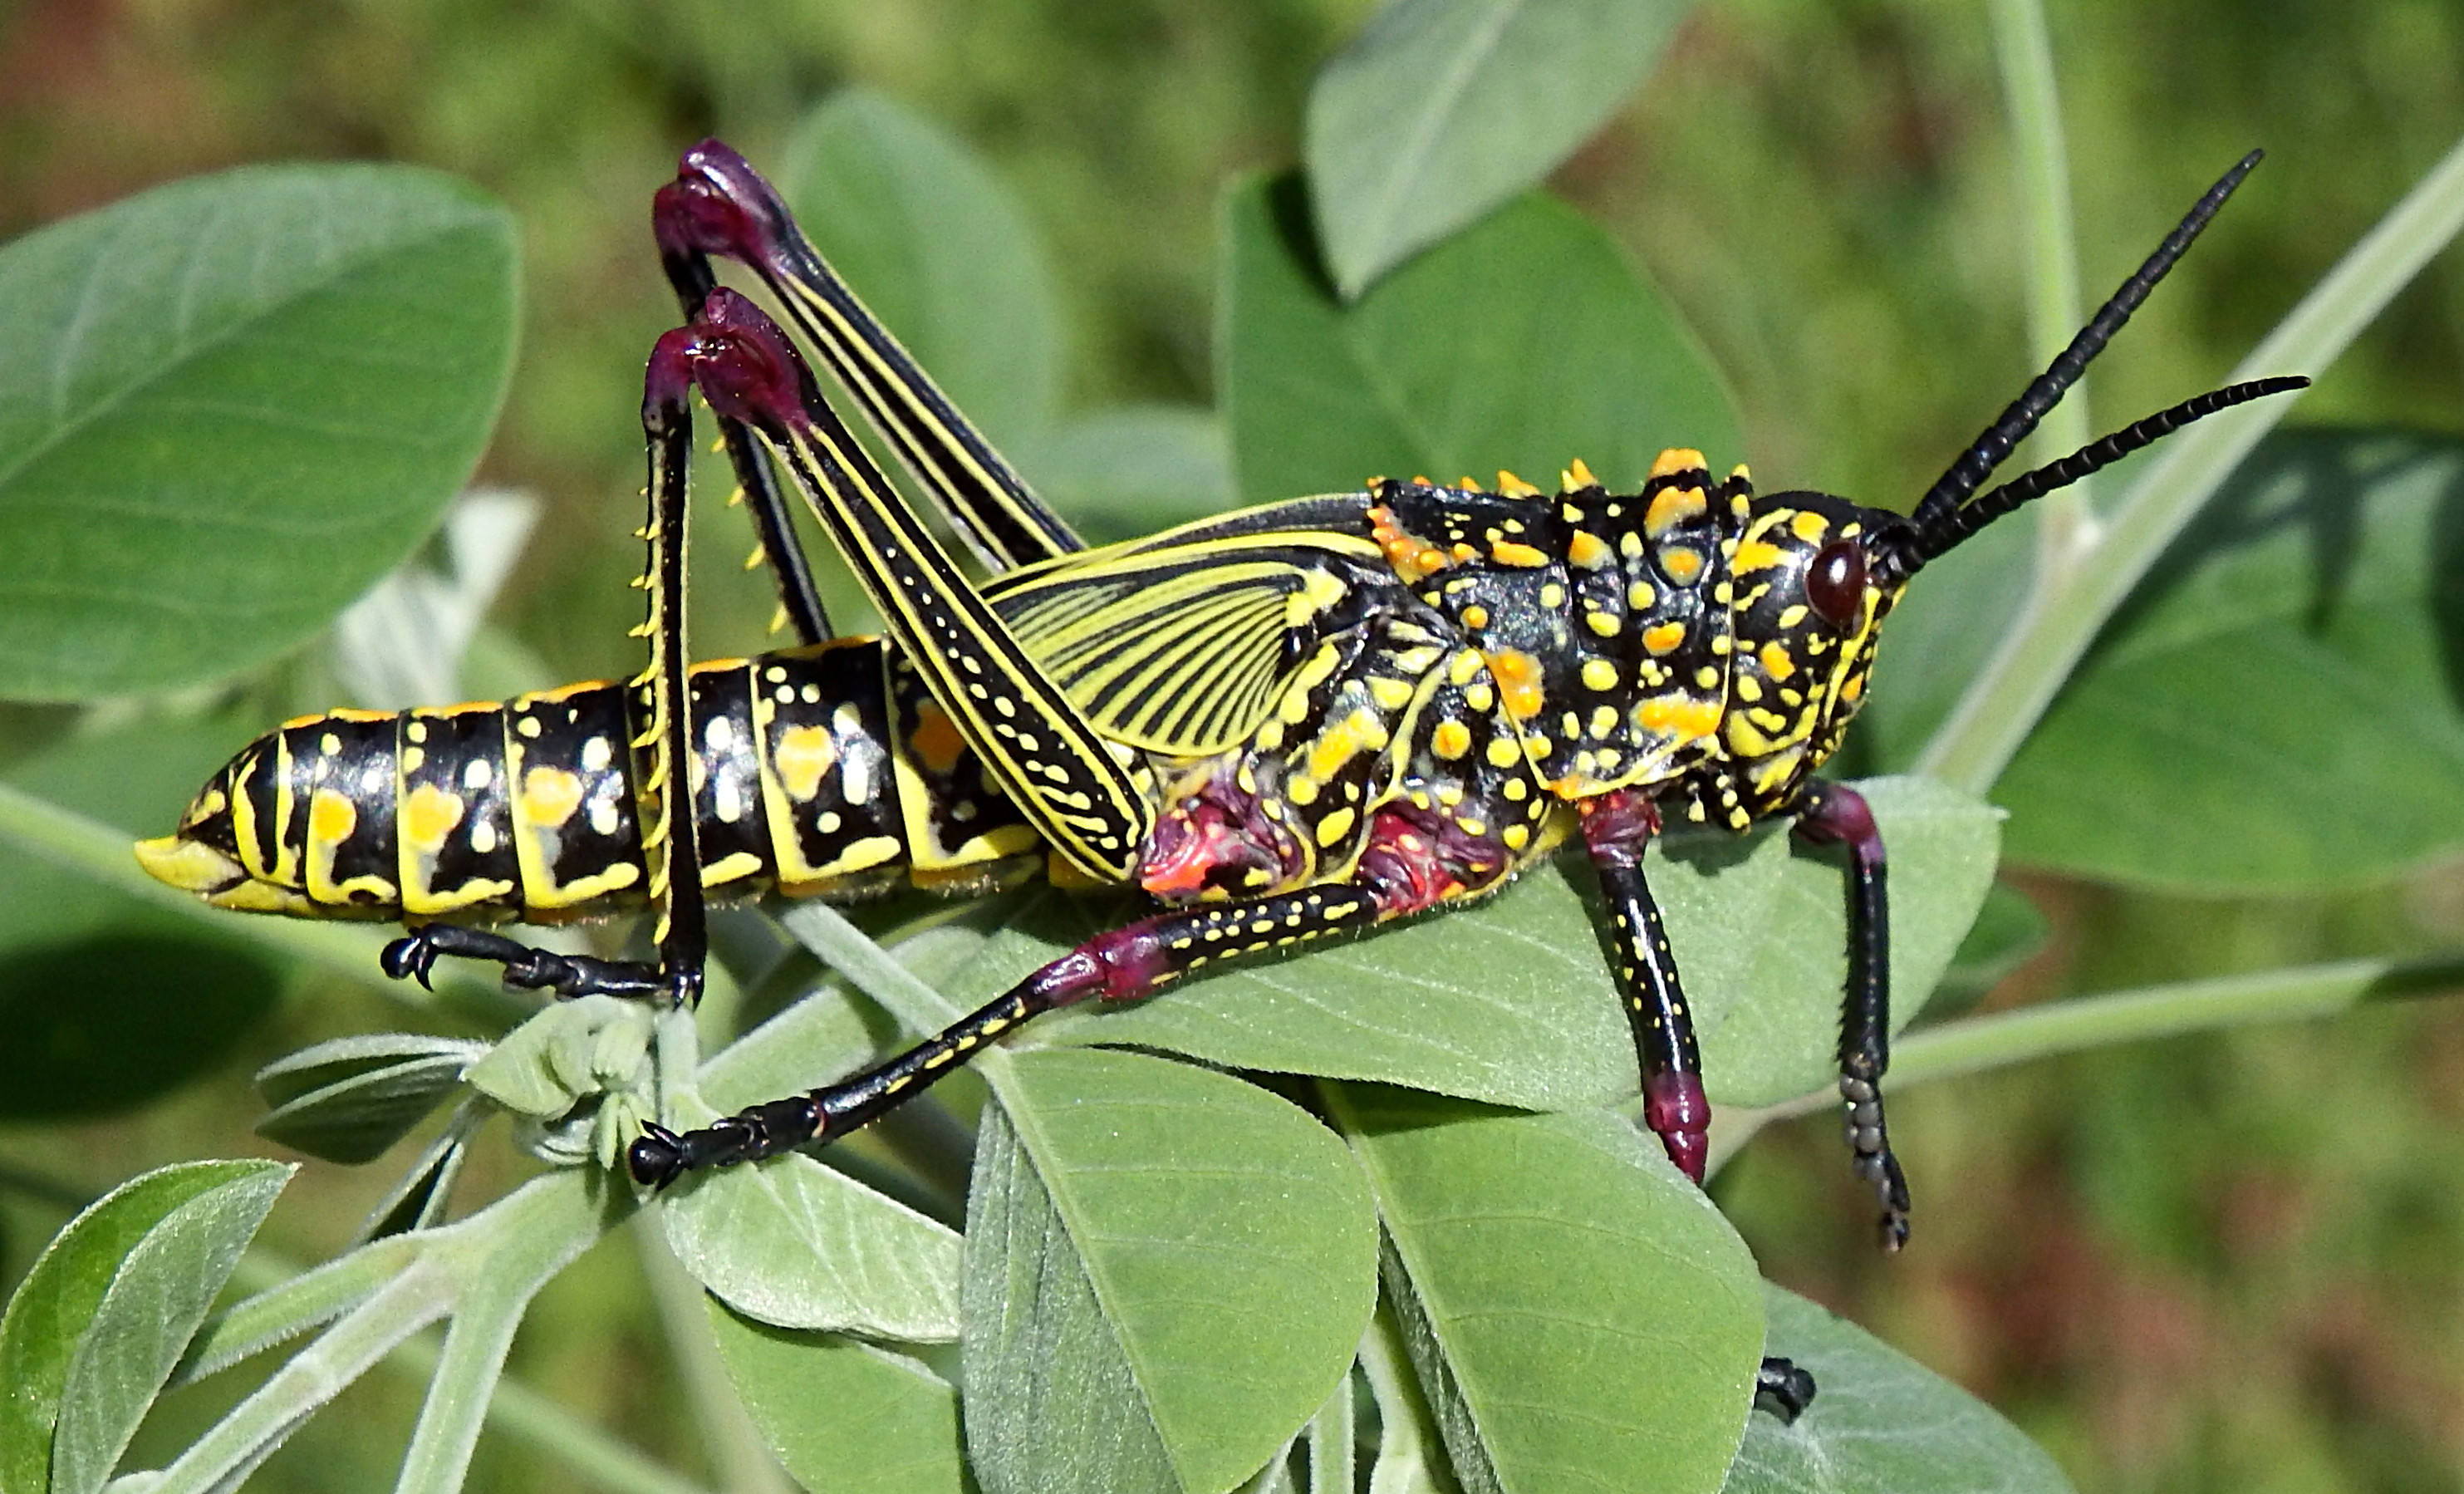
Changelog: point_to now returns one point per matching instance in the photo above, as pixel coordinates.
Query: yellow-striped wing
(1180, 649)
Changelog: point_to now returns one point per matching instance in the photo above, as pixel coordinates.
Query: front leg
(1616, 826)
(1833, 813)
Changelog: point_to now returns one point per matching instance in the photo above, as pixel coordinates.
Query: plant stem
(2024, 55)
(289, 1302)
(501, 1256)
(2004, 702)
(1975, 1044)
(738, 1452)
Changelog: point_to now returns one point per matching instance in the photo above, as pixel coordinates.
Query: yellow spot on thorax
(1756, 555)
(1665, 637)
(1508, 552)
(1676, 459)
(1682, 563)
(1588, 550)
(1671, 507)
(1451, 740)
(1518, 677)
(1775, 661)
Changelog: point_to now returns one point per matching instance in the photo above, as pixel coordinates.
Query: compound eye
(1835, 584)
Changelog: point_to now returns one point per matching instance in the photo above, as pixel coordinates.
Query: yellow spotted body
(1450, 663)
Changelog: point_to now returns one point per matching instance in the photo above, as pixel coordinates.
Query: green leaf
(420, 1199)
(1512, 1002)
(1572, 1302)
(158, 998)
(941, 251)
(323, 1064)
(1168, 1271)
(1442, 109)
(2280, 706)
(98, 1322)
(1125, 474)
(1521, 343)
(843, 1416)
(356, 1117)
(1880, 1424)
(211, 379)
(801, 1245)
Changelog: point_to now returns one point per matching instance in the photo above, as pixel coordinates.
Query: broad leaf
(97, 1324)
(843, 1416)
(1511, 1002)
(1442, 109)
(358, 1117)
(1168, 1271)
(211, 379)
(1879, 1424)
(1124, 474)
(941, 251)
(2280, 707)
(1522, 343)
(1572, 1302)
(801, 1245)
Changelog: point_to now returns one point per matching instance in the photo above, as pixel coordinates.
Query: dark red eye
(1835, 584)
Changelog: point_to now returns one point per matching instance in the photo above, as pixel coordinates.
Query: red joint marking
(1675, 1108)
(1215, 838)
(1617, 824)
(1120, 966)
(743, 363)
(1416, 861)
(1843, 815)
(717, 204)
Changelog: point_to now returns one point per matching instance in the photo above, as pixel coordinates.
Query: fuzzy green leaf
(2280, 706)
(97, 1324)
(843, 1416)
(801, 1245)
(1168, 1272)
(209, 379)
(1573, 1304)
(1522, 343)
(1879, 1424)
(356, 1118)
(1442, 109)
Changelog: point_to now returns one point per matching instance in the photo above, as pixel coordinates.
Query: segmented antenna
(1955, 524)
(1998, 440)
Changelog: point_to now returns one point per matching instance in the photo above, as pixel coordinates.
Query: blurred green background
(2231, 1263)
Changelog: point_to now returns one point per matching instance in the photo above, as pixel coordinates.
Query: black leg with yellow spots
(650, 826)
(1833, 813)
(1123, 965)
(1616, 826)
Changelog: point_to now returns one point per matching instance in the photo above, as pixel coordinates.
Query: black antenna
(1937, 511)
(1956, 524)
